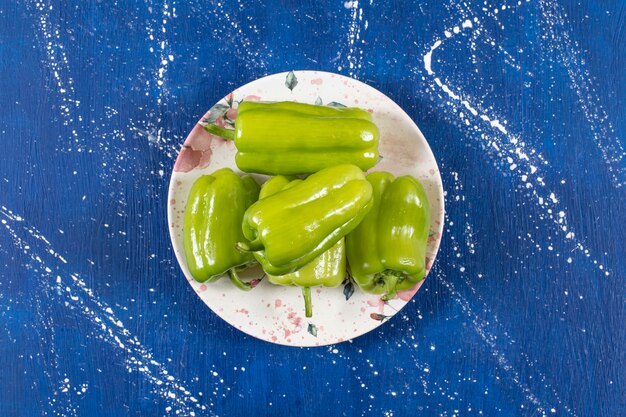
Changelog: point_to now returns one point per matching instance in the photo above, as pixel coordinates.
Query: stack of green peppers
(328, 269)
(302, 231)
(290, 228)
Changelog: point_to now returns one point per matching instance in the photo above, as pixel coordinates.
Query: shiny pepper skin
(328, 269)
(387, 251)
(289, 229)
(288, 138)
(212, 225)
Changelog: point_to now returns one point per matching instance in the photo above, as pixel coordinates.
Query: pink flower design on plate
(198, 147)
(377, 302)
(406, 295)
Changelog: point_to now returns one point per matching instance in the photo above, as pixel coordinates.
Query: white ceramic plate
(275, 313)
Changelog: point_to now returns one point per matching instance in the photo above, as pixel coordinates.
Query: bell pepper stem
(389, 296)
(253, 246)
(237, 282)
(389, 280)
(227, 134)
(308, 307)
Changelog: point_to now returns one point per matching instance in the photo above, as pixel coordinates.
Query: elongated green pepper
(212, 225)
(387, 251)
(294, 138)
(289, 229)
(328, 269)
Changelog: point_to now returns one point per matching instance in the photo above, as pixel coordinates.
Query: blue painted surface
(523, 105)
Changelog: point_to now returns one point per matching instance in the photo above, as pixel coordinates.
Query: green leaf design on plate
(318, 101)
(335, 104)
(431, 233)
(348, 289)
(291, 81)
(219, 110)
(312, 329)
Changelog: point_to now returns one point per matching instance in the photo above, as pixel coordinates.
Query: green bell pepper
(387, 251)
(289, 229)
(328, 269)
(291, 138)
(212, 225)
